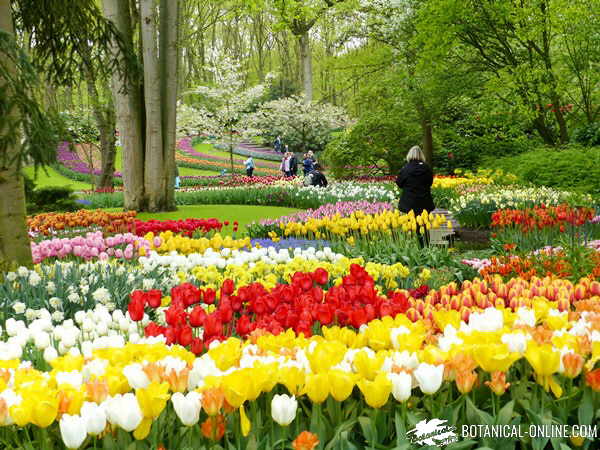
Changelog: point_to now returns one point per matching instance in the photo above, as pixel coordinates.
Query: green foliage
(79, 126)
(19, 111)
(588, 135)
(573, 167)
(49, 199)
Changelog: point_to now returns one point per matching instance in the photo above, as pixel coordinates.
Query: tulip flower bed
(529, 229)
(187, 227)
(530, 354)
(475, 209)
(50, 223)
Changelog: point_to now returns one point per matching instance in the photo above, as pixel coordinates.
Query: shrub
(573, 168)
(588, 135)
(49, 199)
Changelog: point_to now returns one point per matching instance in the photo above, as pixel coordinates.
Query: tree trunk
(105, 120)
(306, 62)
(169, 26)
(154, 180)
(129, 108)
(545, 133)
(14, 242)
(427, 130)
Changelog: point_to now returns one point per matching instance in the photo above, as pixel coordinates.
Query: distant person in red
(415, 180)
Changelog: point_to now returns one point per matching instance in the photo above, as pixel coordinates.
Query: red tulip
(185, 335)
(153, 329)
(154, 298)
(136, 308)
(197, 346)
(209, 296)
(213, 325)
(243, 326)
(197, 316)
(320, 276)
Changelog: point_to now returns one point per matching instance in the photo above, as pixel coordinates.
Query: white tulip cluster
(90, 330)
(228, 257)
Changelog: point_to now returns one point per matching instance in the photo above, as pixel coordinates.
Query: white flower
(74, 378)
(187, 407)
(55, 302)
(11, 276)
(58, 316)
(401, 385)
(136, 377)
(41, 340)
(429, 377)
(123, 411)
(23, 271)
(19, 307)
(51, 287)
(101, 295)
(72, 430)
(94, 417)
(50, 354)
(283, 409)
(34, 278)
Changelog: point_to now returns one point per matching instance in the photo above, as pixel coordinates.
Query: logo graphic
(432, 432)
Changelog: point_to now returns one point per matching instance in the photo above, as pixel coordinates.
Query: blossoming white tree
(303, 125)
(229, 100)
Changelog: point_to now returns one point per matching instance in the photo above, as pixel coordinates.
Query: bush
(573, 168)
(49, 199)
(588, 135)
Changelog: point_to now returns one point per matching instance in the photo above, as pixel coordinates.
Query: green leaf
(585, 413)
(461, 445)
(367, 428)
(505, 414)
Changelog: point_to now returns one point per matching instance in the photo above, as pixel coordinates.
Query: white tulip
(429, 377)
(401, 385)
(136, 377)
(187, 407)
(123, 411)
(41, 340)
(72, 430)
(74, 378)
(283, 409)
(50, 354)
(94, 417)
(10, 398)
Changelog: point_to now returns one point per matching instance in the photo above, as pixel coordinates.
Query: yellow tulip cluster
(170, 241)
(359, 224)
(447, 182)
(269, 275)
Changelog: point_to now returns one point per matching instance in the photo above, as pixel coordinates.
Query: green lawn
(242, 213)
(51, 178)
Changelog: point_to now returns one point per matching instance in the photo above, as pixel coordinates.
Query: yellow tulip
(237, 388)
(143, 429)
(341, 384)
(367, 366)
(494, 357)
(545, 362)
(376, 392)
(244, 422)
(153, 399)
(317, 387)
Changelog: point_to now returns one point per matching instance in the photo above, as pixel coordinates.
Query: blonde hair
(415, 154)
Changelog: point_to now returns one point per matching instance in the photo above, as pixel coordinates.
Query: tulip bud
(283, 409)
(72, 430)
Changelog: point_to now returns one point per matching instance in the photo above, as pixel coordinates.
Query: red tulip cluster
(299, 305)
(541, 217)
(186, 227)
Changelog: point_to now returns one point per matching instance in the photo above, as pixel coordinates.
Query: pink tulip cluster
(92, 245)
(344, 209)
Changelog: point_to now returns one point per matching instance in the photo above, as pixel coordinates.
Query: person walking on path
(285, 165)
(293, 165)
(415, 180)
(278, 145)
(249, 166)
(177, 179)
(307, 164)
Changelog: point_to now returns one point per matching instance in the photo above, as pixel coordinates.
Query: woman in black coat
(415, 180)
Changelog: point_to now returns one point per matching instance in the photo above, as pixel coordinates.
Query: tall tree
(26, 132)
(299, 16)
(146, 102)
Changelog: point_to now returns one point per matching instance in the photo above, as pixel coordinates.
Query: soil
(473, 235)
